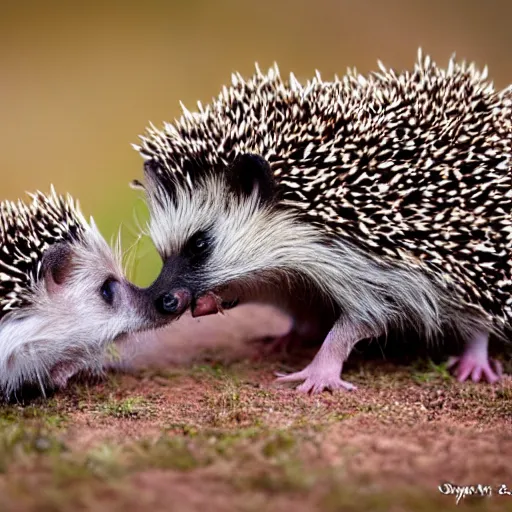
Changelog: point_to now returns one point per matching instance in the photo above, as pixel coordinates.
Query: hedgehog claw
(315, 380)
(323, 373)
(468, 365)
(475, 362)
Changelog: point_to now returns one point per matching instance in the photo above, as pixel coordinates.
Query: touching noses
(174, 302)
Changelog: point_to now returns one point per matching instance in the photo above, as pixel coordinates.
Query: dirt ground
(194, 422)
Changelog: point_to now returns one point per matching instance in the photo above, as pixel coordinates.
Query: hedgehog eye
(198, 244)
(108, 290)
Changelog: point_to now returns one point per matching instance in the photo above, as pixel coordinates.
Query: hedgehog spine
(63, 294)
(388, 194)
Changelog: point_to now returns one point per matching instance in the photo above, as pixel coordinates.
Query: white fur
(251, 239)
(71, 325)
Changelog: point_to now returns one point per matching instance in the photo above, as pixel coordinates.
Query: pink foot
(316, 379)
(477, 367)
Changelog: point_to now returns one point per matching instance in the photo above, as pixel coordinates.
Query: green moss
(169, 453)
(66, 471)
(287, 477)
(19, 441)
(132, 407)
(340, 416)
(47, 414)
(106, 461)
(228, 443)
(162, 373)
(281, 441)
(183, 428)
(230, 406)
(427, 372)
(215, 370)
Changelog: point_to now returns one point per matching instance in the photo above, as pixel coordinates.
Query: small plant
(429, 371)
(132, 407)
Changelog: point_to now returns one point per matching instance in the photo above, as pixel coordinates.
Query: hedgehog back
(26, 231)
(413, 167)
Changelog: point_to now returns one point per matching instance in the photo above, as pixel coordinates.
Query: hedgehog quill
(63, 295)
(384, 198)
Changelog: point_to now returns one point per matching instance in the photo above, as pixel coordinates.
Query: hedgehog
(360, 206)
(63, 295)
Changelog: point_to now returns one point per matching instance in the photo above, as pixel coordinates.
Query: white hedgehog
(385, 199)
(63, 295)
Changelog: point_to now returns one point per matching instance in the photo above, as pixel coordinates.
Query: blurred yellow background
(80, 81)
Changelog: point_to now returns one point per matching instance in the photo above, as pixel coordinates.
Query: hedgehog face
(224, 234)
(80, 302)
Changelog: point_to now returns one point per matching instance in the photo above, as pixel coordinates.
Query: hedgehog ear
(249, 171)
(56, 265)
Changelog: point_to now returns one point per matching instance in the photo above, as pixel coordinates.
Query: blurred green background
(80, 81)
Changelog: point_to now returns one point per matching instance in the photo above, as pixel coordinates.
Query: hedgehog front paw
(479, 368)
(315, 380)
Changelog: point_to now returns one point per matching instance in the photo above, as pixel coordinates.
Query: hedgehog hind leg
(274, 346)
(324, 372)
(300, 332)
(475, 362)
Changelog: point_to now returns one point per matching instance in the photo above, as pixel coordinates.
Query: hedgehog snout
(170, 294)
(155, 306)
(173, 302)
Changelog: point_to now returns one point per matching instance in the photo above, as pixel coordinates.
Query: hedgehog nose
(173, 303)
